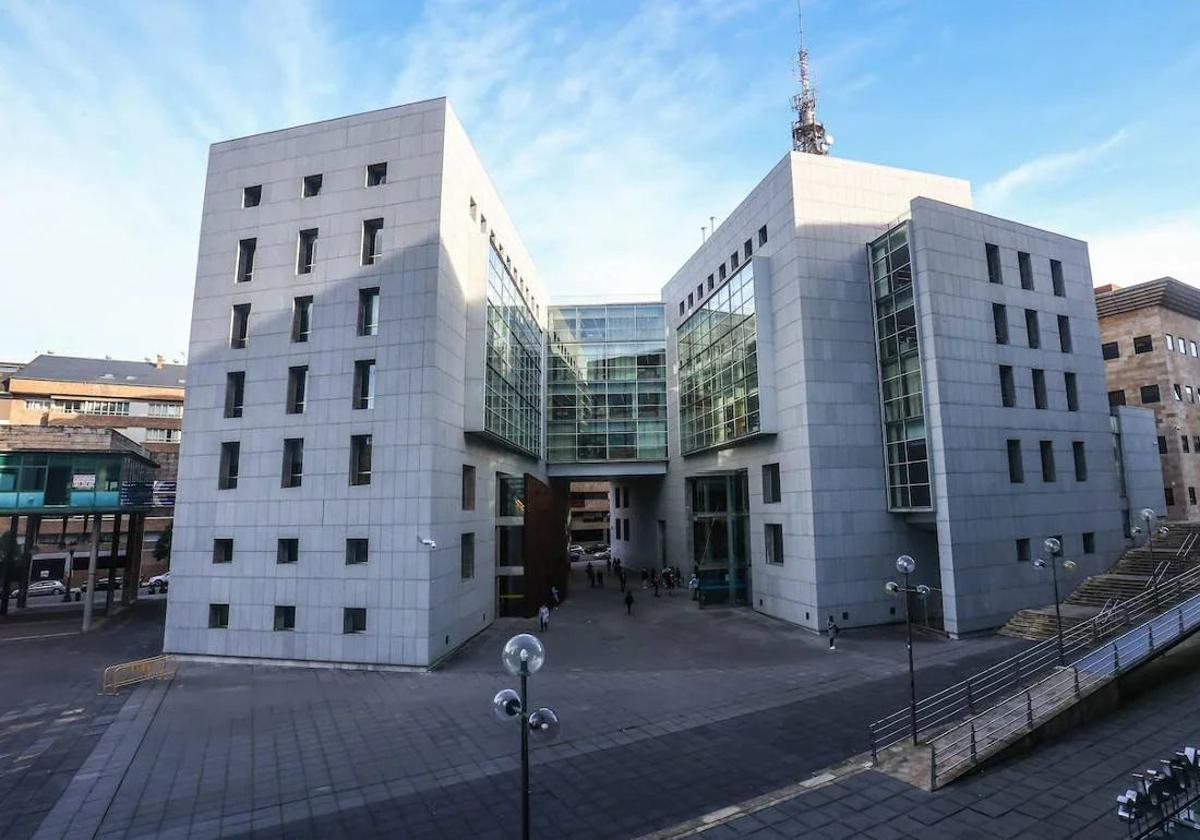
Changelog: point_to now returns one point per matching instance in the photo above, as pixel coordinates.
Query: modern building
(589, 507)
(384, 415)
(1149, 334)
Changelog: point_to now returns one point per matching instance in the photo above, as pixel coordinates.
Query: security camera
(428, 542)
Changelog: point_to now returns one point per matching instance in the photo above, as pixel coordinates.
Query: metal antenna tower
(808, 134)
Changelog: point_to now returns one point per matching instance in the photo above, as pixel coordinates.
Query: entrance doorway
(719, 514)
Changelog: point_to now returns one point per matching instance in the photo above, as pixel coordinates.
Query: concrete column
(112, 563)
(133, 557)
(33, 529)
(91, 574)
(6, 564)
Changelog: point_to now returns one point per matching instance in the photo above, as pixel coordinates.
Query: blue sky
(612, 129)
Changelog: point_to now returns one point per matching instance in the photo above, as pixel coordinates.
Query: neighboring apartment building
(589, 506)
(1149, 334)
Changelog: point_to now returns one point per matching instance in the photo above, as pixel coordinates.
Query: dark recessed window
(235, 392)
(710, 282)
(239, 326)
(293, 462)
(1184, 444)
(360, 459)
(691, 300)
(1077, 450)
(1192, 496)
(734, 262)
(1116, 398)
(1039, 388)
(1072, 391)
(1016, 466)
(306, 251)
(312, 186)
(228, 476)
(1169, 496)
(721, 271)
(1025, 265)
(1162, 444)
(354, 620)
(368, 311)
(376, 174)
(1048, 471)
(774, 543)
(1008, 387)
(1000, 321)
(356, 551)
(770, 483)
(1089, 542)
(1143, 344)
(297, 389)
(287, 550)
(251, 196)
(1149, 394)
(1023, 555)
(302, 308)
(218, 616)
(245, 260)
(762, 235)
(372, 240)
(364, 384)
(995, 275)
(1110, 350)
(1064, 333)
(682, 307)
(467, 558)
(468, 487)
(285, 618)
(1031, 328)
(1056, 277)
(222, 550)
(747, 249)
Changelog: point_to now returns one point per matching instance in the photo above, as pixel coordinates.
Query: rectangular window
(1056, 277)
(467, 559)
(468, 487)
(1089, 542)
(368, 311)
(218, 616)
(1162, 444)
(1170, 342)
(1072, 391)
(700, 291)
(1048, 472)
(691, 300)
(710, 282)
(306, 251)
(376, 174)
(1077, 450)
(285, 618)
(1196, 444)
(774, 538)
(354, 620)
(1169, 496)
(245, 260)
(1016, 465)
(1039, 388)
(1192, 496)
(1023, 555)
(228, 476)
(252, 196)
(762, 235)
(293, 462)
(235, 392)
(1031, 328)
(1116, 398)
(734, 262)
(1110, 350)
(1149, 394)
(360, 459)
(239, 327)
(222, 550)
(161, 409)
(1025, 265)
(297, 389)
(770, 483)
(1183, 443)
(1192, 347)
(1182, 348)
(1064, 333)
(1177, 392)
(993, 263)
(364, 383)
(302, 308)
(721, 273)
(1008, 388)
(682, 307)
(287, 551)
(356, 551)
(1143, 344)
(1000, 321)
(372, 240)
(163, 435)
(312, 186)
(747, 249)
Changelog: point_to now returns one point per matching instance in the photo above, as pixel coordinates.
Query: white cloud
(1158, 247)
(1048, 169)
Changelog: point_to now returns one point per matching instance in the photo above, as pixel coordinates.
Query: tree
(162, 546)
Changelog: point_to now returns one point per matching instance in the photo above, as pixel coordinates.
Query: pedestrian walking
(599, 579)
(833, 632)
(645, 578)
(591, 575)
(655, 583)
(694, 585)
(628, 603)
(621, 577)
(544, 617)
(554, 596)
(608, 562)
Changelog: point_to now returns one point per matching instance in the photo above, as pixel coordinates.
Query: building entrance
(719, 512)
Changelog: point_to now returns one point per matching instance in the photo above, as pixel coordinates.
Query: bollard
(1076, 670)
(974, 754)
(1029, 708)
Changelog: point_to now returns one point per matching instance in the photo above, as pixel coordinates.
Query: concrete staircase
(1130, 576)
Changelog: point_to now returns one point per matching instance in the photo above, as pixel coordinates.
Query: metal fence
(127, 673)
(996, 683)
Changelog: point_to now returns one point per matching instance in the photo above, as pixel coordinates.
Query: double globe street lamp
(1053, 547)
(905, 565)
(524, 655)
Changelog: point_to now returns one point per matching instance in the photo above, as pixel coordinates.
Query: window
(1064, 333)
(734, 262)
(287, 551)
(1023, 555)
(1169, 496)
(721, 273)
(1110, 350)
(239, 327)
(762, 235)
(1184, 444)
(285, 618)
(700, 291)
(376, 174)
(228, 476)
(1072, 391)
(218, 616)
(468, 487)
(1192, 347)
(1056, 277)
(364, 383)
(103, 408)
(356, 551)
(1182, 348)
(710, 282)
(1143, 344)
(1196, 444)
(312, 186)
(222, 550)
(747, 249)
(770, 483)
(1170, 342)
(467, 559)
(1177, 392)
(1000, 320)
(774, 536)
(235, 392)
(162, 409)
(163, 436)
(1149, 394)
(1039, 388)
(1016, 466)
(1008, 388)
(691, 300)
(245, 260)
(37, 405)
(1162, 444)
(1192, 496)
(368, 311)
(1089, 542)
(306, 251)
(251, 196)
(372, 240)
(293, 462)
(993, 263)
(354, 620)
(1077, 450)
(1025, 265)
(1031, 328)
(302, 319)
(1116, 398)
(360, 459)
(297, 389)
(1048, 473)
(682, 307)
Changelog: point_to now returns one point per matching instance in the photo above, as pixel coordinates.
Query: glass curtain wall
(719, 510)
(513, 391)
(607, 383)
(899, 356)
(718, 367)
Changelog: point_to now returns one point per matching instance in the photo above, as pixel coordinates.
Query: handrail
(985, 688)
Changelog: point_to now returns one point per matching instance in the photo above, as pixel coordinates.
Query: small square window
(1116, 398)
(734, 262)
(774, 543)
(251, 196)
(287, 551)
(376, 174)
(1110, 350)
(218, 616)
(1089, 542)
(1023, 553)
(356, 551)
(721, 271)
(1143, 344)
(222, 550)
(1150, 394)
(285, 618)
(311, 186)
(354, 620)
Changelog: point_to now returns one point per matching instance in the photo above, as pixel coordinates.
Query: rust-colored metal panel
(544, 545)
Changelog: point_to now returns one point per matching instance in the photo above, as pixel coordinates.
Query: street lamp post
(1054, 548)
(905, 565)
(523, 656)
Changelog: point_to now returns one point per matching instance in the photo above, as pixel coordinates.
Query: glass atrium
(513, 411)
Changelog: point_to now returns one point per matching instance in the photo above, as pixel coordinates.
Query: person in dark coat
(833, 633)
(628, 603)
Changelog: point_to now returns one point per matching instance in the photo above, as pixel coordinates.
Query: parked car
(604, 554)
(46, 587)
(597, 548)
(158, 583)
(575, 548)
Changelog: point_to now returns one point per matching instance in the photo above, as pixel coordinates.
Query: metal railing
(966, 744)
(127, 673)
(992, 685)
(1189, 542)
